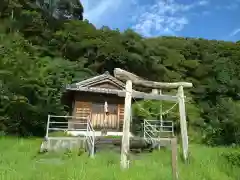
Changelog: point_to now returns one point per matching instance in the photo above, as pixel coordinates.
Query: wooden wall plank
(82, 107)
(121, 116)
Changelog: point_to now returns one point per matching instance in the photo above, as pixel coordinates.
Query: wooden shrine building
(97, 99)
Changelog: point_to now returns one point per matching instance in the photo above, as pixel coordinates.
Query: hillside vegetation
(42, 49)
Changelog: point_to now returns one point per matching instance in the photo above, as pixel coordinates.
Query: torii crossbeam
(130, 79)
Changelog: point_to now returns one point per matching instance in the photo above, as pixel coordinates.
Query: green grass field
(19, 160)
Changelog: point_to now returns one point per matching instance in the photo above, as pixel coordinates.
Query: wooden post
(161, 117)
(104, 130)
(48, 122)
(126, 126)
(183, 122)
(155, 91)
(174, 158)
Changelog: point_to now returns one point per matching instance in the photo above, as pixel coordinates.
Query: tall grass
(19, 160)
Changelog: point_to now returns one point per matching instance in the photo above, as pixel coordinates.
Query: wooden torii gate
(130, 79)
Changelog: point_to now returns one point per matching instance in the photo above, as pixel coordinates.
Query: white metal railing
(65, 126)
(147, 132)
(84, 124)
(90, 137)
(153, 129)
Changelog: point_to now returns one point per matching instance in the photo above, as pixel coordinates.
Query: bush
(223, 127)
(233, 158)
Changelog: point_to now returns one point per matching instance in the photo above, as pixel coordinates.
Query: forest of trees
(44, 47)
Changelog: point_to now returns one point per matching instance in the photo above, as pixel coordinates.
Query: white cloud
(164, 17)
(203, 3)
(235, 32)
(95, 10)
(160, 17)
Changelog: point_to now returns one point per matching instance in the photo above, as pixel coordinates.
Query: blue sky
(210, 19)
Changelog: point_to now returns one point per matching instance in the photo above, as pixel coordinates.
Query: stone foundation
(57, 144)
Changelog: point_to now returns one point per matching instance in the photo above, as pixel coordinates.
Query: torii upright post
(126, 126)
(183, 122)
